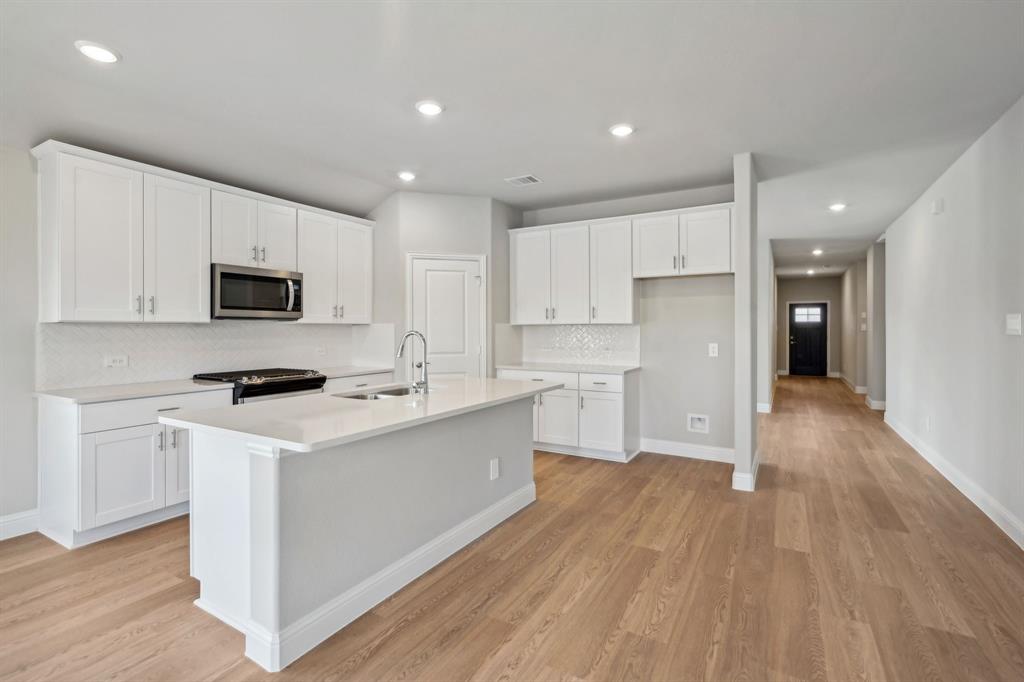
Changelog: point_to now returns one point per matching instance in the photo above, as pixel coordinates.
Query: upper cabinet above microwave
(257, 234)
(122, 241)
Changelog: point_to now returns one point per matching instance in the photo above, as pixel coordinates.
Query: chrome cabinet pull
(361, 385)
(593, 312)
(536, 380)
(600, 383)
(254, 258)
(341, 311)
(674, 260)
(152, 305)
(263, 254)
(552, 313)
(540, 398)
(160, 441)
(167, 409)
(138, 304)
(581, 402)
(174, 439)
(682, 262)
(546, 311)
(335, 313)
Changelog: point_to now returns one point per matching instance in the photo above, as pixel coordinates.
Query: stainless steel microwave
(255, 293)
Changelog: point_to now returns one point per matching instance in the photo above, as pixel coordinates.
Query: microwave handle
(291, 295)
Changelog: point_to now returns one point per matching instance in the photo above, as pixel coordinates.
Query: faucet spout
(423, 384)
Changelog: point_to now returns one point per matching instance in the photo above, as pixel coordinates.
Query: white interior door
(446, 307)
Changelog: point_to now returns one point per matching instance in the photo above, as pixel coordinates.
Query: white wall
(854, 314)
(17, 331)
(664, 201)
(809, 289)
(876, 325)
(954, 379)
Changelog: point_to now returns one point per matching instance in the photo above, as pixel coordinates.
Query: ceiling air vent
(523, 180)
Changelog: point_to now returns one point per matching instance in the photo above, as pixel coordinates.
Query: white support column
(744, 475)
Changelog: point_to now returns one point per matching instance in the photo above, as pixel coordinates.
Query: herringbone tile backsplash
(582, 343)
(69, 355)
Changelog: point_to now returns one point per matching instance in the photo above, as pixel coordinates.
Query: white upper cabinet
(276, 226)
(611, 273)
(177, 251)
(656, 246)
(318, 263)
(530, 272)
(91, 241)
(570, 275)
(705, 242)
(355, 273)
(233, 223)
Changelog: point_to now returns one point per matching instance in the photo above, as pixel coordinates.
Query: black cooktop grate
(265, 373)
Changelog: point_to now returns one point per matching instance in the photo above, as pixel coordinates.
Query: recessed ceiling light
(837, 207)
(97, 52)
(621, 130)
(429, 107)
(406, 176)
(810, 272)
(817, 252)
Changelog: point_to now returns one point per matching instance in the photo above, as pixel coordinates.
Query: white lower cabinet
(122, 474)
(559, 418)
(600, 420)
(177, 451)
(595, 415)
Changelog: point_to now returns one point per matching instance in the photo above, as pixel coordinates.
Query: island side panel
(349, 512)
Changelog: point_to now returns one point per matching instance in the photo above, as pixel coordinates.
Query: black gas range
(262, 384)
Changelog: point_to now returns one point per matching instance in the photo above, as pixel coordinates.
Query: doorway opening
(808, 339)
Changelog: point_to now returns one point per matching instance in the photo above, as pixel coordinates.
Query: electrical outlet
(698, 423)
(495, 468)
(118, 361)
(320, 350)
(1013, 324)
(712, 350)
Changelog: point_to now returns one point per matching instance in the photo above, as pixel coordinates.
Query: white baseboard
(783, 372)
(747, 482)
(677, 448)
(589, 453)
(19, 523)
(874, 404)
(861, 390)
(274, 652)
(992, 508)
(834, 375)
(764, 408)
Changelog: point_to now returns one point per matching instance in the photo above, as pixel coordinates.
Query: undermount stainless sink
(383, 394)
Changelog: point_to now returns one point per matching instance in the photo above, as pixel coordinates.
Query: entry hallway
(853, 560)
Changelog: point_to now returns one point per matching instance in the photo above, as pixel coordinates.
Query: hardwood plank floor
(853, 560)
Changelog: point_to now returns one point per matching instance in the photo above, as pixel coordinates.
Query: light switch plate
(1013, 324)
(712, 350)
(495, 468)
(863, 326)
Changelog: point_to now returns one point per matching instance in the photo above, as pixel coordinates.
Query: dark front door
(808, 339)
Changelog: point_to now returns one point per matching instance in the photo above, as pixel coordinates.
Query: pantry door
(448, 304)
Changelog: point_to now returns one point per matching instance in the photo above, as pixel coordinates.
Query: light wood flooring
(853, 560)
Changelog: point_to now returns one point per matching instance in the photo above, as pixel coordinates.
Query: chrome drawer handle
(536, 380)
(167, 409)
(361, 385)
(600, 383)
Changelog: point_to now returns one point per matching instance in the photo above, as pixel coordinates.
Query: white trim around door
(828, 334)
(410, 259)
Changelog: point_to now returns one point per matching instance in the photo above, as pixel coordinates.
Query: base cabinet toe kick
(300, 544)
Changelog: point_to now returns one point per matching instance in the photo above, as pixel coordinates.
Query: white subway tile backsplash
(69, 355)
(596, 343)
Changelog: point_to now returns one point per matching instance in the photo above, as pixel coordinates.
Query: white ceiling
(793, 257)
(312, 101)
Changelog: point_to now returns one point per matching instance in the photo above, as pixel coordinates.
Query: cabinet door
(656, 246)
(570, 275)
(101, 241)
(536, 418)
(277, 236)
(559, 417)
(233, 228)
(122, 474)
(318, 263)
(705, 242)
(530, 267)
(355, 281)
(611, 273)
(601, 420)
(176, 465)
(177, 248)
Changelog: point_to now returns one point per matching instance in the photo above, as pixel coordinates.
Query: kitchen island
(308, 511)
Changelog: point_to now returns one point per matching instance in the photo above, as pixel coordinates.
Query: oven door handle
(291, 295)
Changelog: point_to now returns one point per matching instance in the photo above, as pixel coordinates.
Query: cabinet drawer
(570, 379)
(610, 383)
(121, 414)
(351, 383)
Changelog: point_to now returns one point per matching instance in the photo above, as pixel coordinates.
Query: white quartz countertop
(152, 389)
(570, 367)
(314, 422)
